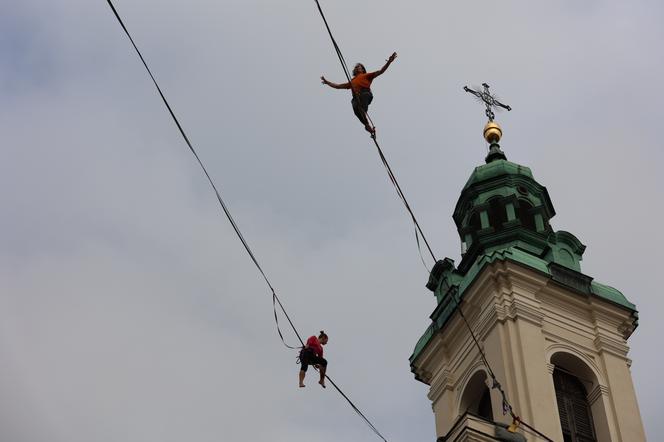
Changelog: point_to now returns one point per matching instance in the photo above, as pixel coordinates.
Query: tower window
(525, 215)
(573, 408)
(476, 397)
(475, 222)
(484, 407)
(497, 214)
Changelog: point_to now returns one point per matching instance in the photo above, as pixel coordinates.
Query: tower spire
(553, 335)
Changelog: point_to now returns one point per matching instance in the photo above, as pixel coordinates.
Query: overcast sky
(129, 310)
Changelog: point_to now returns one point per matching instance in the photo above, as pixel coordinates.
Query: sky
(130, 312)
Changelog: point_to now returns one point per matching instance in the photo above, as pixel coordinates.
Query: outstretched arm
(388, 62)
(335, 85)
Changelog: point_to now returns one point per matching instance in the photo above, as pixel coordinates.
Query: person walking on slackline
(361, 88)
(312, 354)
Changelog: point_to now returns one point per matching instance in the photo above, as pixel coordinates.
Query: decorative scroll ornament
(490, 101)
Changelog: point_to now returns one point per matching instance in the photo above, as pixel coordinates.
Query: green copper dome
(495, 169)
(501, 206)
(503, 214)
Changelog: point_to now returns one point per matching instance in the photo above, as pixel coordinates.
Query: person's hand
(392, 57)
(323, 80)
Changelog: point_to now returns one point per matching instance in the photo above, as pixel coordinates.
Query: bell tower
(555, 339)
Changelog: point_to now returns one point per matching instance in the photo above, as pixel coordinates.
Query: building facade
(555, 339)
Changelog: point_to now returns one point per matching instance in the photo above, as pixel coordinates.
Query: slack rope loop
(275, 298)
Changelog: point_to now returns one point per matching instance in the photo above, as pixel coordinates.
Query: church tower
(555, 340)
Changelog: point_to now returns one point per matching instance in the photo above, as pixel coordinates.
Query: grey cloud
(128, 310)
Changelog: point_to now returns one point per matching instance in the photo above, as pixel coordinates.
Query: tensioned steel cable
(275, 298)
(401, 195)
(496, 384)
(391, 175)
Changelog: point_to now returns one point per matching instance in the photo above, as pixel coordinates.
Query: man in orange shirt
(361, 88)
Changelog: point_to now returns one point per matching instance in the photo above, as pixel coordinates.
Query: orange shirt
(361, 81)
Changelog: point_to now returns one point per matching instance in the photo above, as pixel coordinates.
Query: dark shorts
(308, 357)
(361, 102)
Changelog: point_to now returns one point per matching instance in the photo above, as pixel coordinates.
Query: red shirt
(314, 344)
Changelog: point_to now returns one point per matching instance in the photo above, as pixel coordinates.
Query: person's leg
(304, 361)
(360, 113)
(322, 368)
(365, 97)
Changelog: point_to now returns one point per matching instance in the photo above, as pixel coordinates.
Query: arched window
(497, 214)
(525, 215)
(475, 222)
(573, 407)
(476, 397)
(484, 409)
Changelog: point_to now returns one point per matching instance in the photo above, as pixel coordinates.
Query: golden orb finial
(492, 132)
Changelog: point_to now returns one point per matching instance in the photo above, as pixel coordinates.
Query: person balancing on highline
(361, 88)
(312, 354)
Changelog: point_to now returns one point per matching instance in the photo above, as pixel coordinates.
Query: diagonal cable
(275, 299)
(391, 175)
(396, 185)
(401, 195)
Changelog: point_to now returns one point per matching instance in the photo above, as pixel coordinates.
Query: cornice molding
(444, 381)
(596, 393)
(558, 342)
(433, 355)
(611, 346)
(519, 309)
(513, 290)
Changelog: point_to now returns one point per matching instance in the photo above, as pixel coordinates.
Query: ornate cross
(489, 100)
